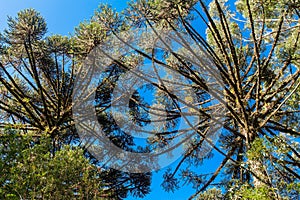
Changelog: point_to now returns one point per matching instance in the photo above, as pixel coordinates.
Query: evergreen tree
(36, 79)
(254, 46)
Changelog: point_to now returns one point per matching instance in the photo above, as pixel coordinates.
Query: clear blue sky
(62, 16)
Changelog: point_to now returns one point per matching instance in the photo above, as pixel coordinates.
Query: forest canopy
(230, 92)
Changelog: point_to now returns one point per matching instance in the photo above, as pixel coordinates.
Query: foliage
(37, 74)
(253, 46)
(29, 170)
(211, 194)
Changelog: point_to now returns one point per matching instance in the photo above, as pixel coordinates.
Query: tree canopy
(240, 79)
(36, 80)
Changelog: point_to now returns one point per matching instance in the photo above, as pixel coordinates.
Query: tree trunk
(255, 166)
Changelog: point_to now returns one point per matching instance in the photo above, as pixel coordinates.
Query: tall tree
(36, 80)
(252, 50)
(254, 47)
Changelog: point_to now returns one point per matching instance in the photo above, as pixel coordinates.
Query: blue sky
(61, 17)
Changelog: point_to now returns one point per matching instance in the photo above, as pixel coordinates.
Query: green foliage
(37, 73)
(211, 194)
(247, 192)
(94, 32)
(255, 49)
(269, 157)
(30, 171)
(28, 25)
(160, 13)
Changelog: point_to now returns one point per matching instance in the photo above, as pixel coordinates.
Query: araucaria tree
(255, 47)
(241, 74)
(39, 157)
